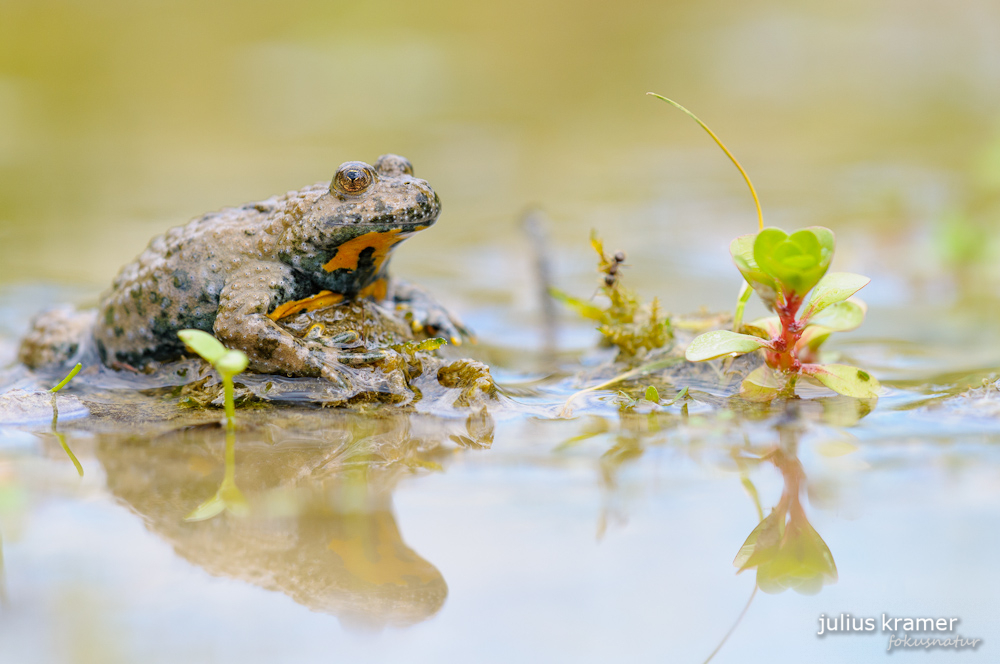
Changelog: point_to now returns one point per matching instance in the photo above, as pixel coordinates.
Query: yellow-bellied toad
(236, 272)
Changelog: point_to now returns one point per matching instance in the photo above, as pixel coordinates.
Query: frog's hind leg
(57, 337)
(243, 323)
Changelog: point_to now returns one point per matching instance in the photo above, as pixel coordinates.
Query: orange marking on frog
(376, 554)
(349, 254)
(311, 303)
(377, 290)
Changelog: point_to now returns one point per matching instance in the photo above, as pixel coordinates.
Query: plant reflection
(313, 515)
(784, 547)
(228, 497)
(61, 437)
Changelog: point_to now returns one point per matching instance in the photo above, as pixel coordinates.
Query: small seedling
(229, 364)
(567, 407)
(70, 376)
(55, 418)
(789, 273)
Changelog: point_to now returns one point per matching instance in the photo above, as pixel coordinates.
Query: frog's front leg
(242, 323)
(426, 314)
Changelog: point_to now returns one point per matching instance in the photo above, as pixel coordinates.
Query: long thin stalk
(733, 628)
(229, 398)
(718, 141)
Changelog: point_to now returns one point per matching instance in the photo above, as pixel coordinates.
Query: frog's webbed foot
(427, 315)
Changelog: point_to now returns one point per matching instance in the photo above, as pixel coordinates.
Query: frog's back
(176, 282)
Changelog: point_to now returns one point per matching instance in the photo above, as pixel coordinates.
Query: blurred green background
(120, 119)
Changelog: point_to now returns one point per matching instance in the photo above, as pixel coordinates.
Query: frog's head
(385, 194)
(345, 238)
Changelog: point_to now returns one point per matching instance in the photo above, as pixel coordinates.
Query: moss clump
(624, 321)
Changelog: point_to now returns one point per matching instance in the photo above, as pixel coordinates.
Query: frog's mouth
(422, 210)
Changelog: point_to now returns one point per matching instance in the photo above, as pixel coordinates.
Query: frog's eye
(353, 178)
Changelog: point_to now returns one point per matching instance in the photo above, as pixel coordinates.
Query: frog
(237, 272)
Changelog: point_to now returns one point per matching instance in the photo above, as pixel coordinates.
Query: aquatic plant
(789, 274)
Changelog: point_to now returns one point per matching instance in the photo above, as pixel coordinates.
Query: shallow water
(512, 534)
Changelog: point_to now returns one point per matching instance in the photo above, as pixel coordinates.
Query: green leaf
(652, 394)
(797, 261)
(719, 343)
(581, 307)
(204, 344)
(802, 562)
(765, 328)
(741, 249)
(762, 543)
(834, 287)
(841, 316)
(761, 384)
(211, 507)
(232, 363)
(843, 379)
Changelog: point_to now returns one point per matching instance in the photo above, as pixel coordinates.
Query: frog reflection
(318, 524)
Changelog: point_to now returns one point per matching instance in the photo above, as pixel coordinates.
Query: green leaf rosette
(796, 262)
(741, 249)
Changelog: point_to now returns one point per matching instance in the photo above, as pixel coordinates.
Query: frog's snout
(427, 205)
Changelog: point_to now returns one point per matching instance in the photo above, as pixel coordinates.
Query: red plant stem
(784, 357)
(794, 476)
